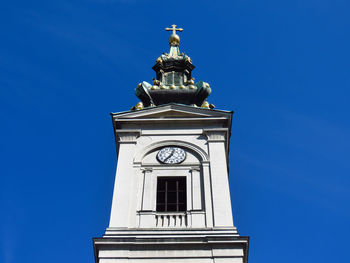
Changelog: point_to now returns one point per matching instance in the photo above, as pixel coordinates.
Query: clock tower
(171, 200)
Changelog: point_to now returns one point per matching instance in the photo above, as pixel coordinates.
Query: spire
(174, 82)
(174, 41)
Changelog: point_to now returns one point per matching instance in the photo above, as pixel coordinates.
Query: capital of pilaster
(148, 169)
(216, 134)
(205, 164)
(127, 136)
(192, 169)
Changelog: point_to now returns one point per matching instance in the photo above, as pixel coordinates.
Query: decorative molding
(199, 112)
(216, 135)
(159, 167)
(184, 132)
(127, 136)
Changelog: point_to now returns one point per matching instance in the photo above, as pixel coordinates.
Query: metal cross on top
(174, 29)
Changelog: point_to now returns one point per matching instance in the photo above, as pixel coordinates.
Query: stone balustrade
(171, 220)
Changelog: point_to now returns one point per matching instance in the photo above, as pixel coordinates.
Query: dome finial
(174, 39)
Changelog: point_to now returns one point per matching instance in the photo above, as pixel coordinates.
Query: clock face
(171, 155)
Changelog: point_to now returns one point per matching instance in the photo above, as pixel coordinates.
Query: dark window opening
(170, 78)
(171, 194)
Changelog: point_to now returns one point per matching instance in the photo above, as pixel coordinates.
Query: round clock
(171, 155)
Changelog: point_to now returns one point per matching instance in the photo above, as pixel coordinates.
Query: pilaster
(123, 195)
(208, 198)
(222, 212)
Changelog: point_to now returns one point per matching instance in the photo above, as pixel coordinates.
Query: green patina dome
(174, 82)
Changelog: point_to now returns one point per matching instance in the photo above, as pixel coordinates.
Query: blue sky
(282, 66)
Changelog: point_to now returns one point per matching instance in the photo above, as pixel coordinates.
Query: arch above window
(203, 156)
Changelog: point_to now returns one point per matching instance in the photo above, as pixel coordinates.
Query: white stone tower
(171, 200)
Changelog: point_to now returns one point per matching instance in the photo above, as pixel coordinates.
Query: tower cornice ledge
(175, 107)
(174, 248)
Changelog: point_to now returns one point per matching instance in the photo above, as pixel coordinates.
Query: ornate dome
(174, 82)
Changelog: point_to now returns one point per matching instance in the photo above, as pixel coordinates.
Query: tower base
(180, 246)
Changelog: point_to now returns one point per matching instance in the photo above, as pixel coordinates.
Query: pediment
(172, 111)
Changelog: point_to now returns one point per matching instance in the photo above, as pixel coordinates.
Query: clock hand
(171, 154)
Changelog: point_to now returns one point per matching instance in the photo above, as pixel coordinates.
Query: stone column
(124, 189)
(222, 212)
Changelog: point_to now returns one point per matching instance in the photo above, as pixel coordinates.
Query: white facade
(205, 231)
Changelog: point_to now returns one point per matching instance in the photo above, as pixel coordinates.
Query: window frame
(179, 204)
